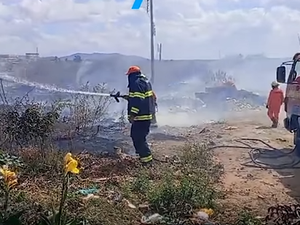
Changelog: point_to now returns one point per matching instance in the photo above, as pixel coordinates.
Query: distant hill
(251, 72)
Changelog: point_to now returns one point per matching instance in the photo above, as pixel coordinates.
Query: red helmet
(133, 69)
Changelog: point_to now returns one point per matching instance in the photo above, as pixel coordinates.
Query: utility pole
(152, 34)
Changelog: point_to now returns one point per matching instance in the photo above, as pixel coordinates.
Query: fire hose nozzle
(118, 95)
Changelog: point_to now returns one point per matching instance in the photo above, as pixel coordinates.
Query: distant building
(4, 56)
(30, 55)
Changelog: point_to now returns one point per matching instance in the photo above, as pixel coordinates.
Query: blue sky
(187, 29)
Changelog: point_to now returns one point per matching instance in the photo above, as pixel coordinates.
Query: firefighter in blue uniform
(141, 107)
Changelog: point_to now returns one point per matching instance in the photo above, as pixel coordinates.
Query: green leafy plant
(10, 160)
(247, 218)
(59, 217)
(178, 197)
(141, 183)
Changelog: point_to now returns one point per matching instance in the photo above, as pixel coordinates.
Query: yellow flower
(209, 212)
(67, 158)
(71, 164)
(10, 178)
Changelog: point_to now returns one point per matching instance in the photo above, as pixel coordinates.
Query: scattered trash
(209, 212)
(153, 219)
(90, 196)
(130, 205)
(144, 207)
(261, 197)
(231, 128)
(101, 179)
(115, 197)
(88, 191)
(204, 214)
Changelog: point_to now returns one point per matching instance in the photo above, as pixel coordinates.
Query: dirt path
(255, 188)
(247, 187)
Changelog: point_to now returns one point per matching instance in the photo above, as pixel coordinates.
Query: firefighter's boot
(275, 123)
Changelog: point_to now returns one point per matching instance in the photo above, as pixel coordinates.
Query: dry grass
(170, 189)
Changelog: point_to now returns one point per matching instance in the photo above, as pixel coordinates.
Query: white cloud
(187, 29)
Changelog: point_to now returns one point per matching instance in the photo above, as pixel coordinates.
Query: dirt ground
(246, 184)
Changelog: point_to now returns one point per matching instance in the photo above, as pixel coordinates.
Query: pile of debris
(227, 97)
(224, 97)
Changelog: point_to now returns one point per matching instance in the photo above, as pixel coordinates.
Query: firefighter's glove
(131, 118)
(126, 97)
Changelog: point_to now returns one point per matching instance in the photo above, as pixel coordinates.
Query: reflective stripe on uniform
(146, 159)
(143, 117)
(134, 110)
(148, 94)
(140, 94)
(136, 95)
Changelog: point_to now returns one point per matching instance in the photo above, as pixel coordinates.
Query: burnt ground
(115, 136)
(247, 183)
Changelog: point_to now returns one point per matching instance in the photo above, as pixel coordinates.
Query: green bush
(247, 218)
(186, 186)
(178, 197)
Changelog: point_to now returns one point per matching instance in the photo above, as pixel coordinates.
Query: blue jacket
(140, 102)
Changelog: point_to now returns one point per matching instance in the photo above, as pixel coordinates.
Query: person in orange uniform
(275, 100)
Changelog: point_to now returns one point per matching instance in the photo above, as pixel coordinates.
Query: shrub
(247, 218)
(27, 125)
(187, 186)
(86, 111)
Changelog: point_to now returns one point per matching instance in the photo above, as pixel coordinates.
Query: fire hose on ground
(258, 152)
